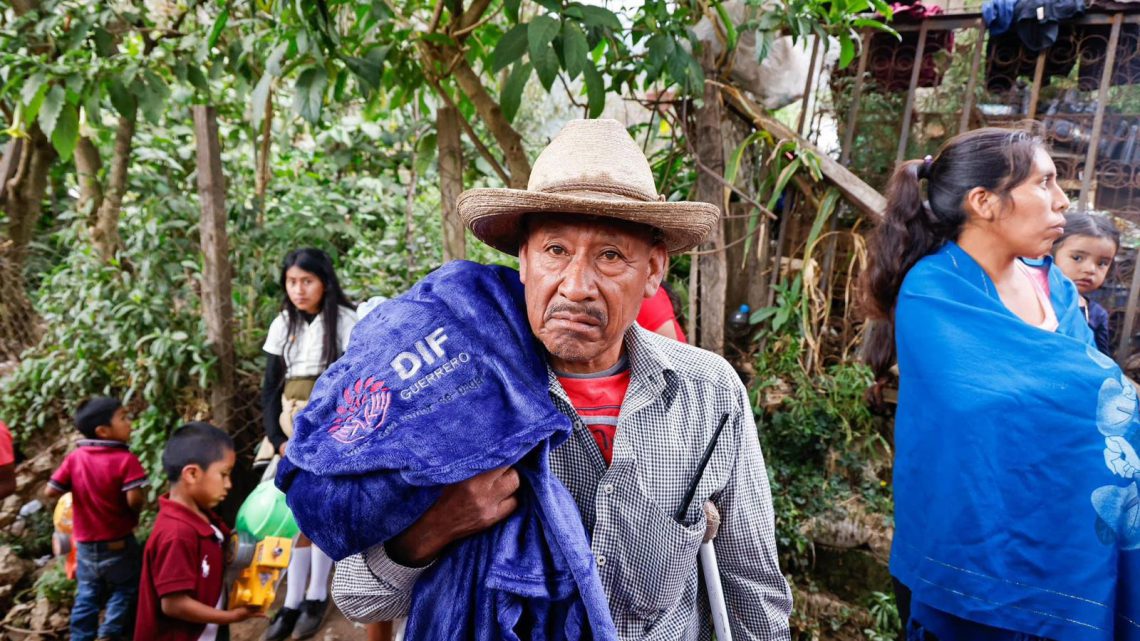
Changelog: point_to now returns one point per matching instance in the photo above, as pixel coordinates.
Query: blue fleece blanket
(438, 385)
(1016, 472)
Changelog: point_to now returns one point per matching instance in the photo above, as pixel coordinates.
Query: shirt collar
(651, 371)
(175, 510)
(101, 442)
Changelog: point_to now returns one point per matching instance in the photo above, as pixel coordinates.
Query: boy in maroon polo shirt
(181, 593)
(106, 483)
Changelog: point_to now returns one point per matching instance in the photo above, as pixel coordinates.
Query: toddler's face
(1085, 260)
(214, 483)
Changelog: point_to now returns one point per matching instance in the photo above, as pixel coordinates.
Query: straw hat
(591, 167)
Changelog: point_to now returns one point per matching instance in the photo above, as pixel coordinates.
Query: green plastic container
(265, 513)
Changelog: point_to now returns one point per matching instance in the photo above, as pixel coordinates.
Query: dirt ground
(335, 628)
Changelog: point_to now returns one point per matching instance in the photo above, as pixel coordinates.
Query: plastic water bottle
(738, 324)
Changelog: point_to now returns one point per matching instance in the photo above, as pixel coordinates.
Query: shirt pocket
(657, 557)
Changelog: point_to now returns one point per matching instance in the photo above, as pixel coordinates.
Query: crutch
(707, 556)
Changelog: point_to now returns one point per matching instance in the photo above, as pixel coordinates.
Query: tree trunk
(713, 269)
(24, 193)
(217, 286)
(492, 115)
(262, 175)
(450, 182)
(105, 226)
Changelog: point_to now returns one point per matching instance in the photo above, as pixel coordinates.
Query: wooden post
(1035, 92)
(807, 88)
(217, 286)
(1098, 119)
(856, 97)
(904, 135)
(1123, 351)
(713, 265)
(972, 84)
(450, 182)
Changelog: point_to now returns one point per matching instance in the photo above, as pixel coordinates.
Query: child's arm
(136, 499)
(52, 493)
(186, 608)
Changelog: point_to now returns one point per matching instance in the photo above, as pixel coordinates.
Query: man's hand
(462, 510)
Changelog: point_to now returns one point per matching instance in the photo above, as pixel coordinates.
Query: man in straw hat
(593, 237)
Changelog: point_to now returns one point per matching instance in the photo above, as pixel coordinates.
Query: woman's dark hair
(317, 263)
(1083, 224)
(196, 443)
(995, 159)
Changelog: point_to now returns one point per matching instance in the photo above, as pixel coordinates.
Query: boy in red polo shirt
(181, 593)
(106, 483)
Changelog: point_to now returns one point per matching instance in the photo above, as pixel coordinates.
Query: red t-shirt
(98, 474)
(598, 402)
(658, 310)
(183, 554)
(7, 451)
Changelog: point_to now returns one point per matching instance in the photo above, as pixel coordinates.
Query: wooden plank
(908, 112)
(1098, 119)
(1124, 349)
(853, 188)
(807, 88)
(1035, 92)
(856, 98)
(972, 84)
(709, 144)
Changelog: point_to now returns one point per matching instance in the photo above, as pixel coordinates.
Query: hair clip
(924, 170)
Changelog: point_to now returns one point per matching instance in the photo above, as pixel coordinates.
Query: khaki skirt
(293, 399)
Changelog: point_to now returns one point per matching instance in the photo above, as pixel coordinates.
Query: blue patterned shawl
(1016, 472)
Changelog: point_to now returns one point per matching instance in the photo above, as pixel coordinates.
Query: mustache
(577, 309)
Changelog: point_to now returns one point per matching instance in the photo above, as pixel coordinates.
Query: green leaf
(219, 26)
(66, 132)
(540, 33)
(782, 181)
(512, 9)
(551, 5)
(545, 63)
(367, 71)
(595, 90)
(196, 78)
(36, 84)
(32, 106)
(510, 48)
(425, 152)
(309, 93)
(763, 314)
(600, 17)
(764, 39)
(846, 50)
(123, 99)
(52, 106)
(511, 97)
(260, 92)
(575, 49)
(153, 97)
(104, 43)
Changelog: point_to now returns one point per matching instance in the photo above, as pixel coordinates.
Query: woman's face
(305, 289)
(1085, 260)
(1033, 216)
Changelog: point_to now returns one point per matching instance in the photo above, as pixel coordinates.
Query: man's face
(584, 280)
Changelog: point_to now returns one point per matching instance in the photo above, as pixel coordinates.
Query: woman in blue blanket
(1016, 506)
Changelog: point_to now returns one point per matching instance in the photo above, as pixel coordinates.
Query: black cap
(95, 412)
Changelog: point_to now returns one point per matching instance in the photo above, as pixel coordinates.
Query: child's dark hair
(95, 412)
(317, 263)
(1084, 224)
(196, 443)
(995, 159)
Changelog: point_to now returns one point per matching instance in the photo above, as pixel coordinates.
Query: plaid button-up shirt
(647, 560)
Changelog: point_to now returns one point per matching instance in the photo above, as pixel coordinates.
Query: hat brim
(495, 215)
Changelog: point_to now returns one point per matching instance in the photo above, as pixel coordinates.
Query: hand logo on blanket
(1117, 507)
(364, 410)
